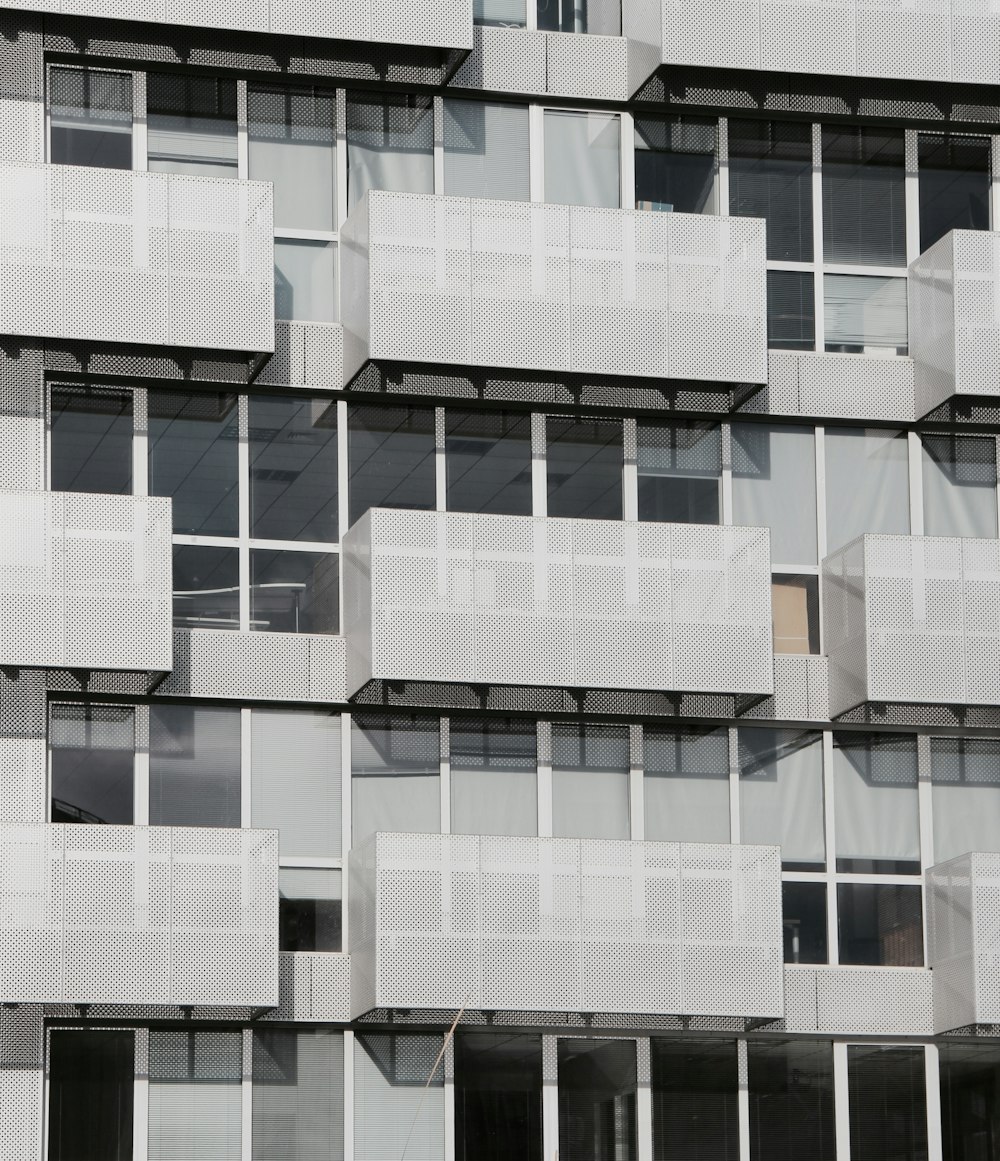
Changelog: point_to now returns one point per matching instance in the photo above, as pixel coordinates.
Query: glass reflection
(91, 434)
(206, 587)
(294, 592)
(92, 764)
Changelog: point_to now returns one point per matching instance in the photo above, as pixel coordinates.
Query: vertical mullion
(246, 1094)
(242, 131)
(140, 133)
(743, 1098)
(544, 745)
(911, 195)
(932, 1074)
(627, 170)
(444, 771)
(539, 476)
(246, 768)
(243, 494)
(841, 1102)
(644, 1100)
(345, 830)
(830, 835)
(817, 208)
(819, 439)
(141, 767)
(140, 1097)
(630, 470)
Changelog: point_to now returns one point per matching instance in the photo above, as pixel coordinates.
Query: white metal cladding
(305, 354)
(314, 986)
(22, 1053)
(138, 915)
(85, 581)
(111, 255)
(832, 386)
(566, 925)
(444, 23)
(439, 279)
(517, 600)
(856, 1000)
(955, 317)
(912, 619)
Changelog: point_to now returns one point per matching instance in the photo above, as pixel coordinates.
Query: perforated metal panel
(314, 986)
(22, 1051)
(597, 604)
(587, 66)
(85, 581)
(544, 924)
(913, 619)
(551, 287)
(856, 1000)
(122, 256)
(833, 386)
(138, 915)
(505, 60)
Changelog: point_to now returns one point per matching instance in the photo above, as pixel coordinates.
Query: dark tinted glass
(92, 755)
(91, 118)
(391, 457)
(193, 442)
(803, 914)
(675, 164)
(498, 1097)
(881, 924)
(887, 1098)
(91, 432)
(206, 587)
(791, 310)
(791, 1101)
(597, 1084)
(305, 922)
(864, 209)
(970, 1101)
(194, 766)
(91, 1084)
(294, 592)
(770, 177)
(954, 185)
(695, 1114)
(680, 468)
(293, 468)
(488, 454)
(585, 459)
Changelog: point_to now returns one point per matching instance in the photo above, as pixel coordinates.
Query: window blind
(774, 486)
(770, 177)
(486, 150)
(393, 1109)
(686, 785)
(298, 1095)
(888, 1103)
(494, 783)
(781, 792)
(694, 1086)
(582, 158)
(194, 766)
(791, 1101)
(590, 781)
(864, 311)
(864, 211)
(195, 1099)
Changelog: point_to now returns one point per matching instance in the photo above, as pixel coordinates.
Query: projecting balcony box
(562, 289)
(115, 256)
(565, 925)
(953, 293)
(912, 620)
(578, 604)
(963, 921)
(138, 915)
(85, 581)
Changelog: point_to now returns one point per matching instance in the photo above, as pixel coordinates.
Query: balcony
(963, 941)
(955, 319)
(912, 620)
(552, 288)
(579, 604)
(86, 581)
(138, 915)
(565, 925)
(114, 256)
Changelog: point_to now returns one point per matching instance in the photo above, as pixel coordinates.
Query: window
(867, 483)
(396, 774)
(791, 1100)
(965, 794)
(960, 485)
(875, 785)
(582, 158)
(309, 909)
(391, 453)
(206, 587)
(795, 613)
(191, 125)
(954, 177)
(195, 1095)
(305, 280)
(92, 763)
(694, 1086)
(390, 143)
(91, 439)
(91, 1090)
(298, 1095)
(398, 1097)
(486, 150)
(590, 781)
(585, 460)
(774, 486)
(686, 785)
(865, 315)
(194, 765)
(500, 13)
(864, 210)
(680, 471)
(791, 310)
(597, 1088)
(488, 457)
(970, 1100)
(90, 114)
(498, 1097)
(803, 919)
(601, 17)
(888, 1103)
(880, 924)
(675, 164)
(781, 794)
(294, 592)
(494, 784)
(770, 177)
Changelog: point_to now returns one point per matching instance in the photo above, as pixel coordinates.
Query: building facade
(499, 581)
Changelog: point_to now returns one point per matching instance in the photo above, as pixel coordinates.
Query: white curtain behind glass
(960, 485)
(686, 785)
(867, 483)
(494, 785)
(865, 311)
(582, 158)
(390, 145)
(590, 782)
(774, 486)
(965, 778)
(486, 150)
(875, 797)
(781, 792)
(396, 770)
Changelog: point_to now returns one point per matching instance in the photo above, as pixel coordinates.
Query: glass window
(803, 917)
(390, 143)
(875, 784)
(293, 468)
(774, 486)
(305, 280)
(864, 208)
(391, 455)
(195, 1095)
(486, 150)
(597, 1087)
(396, 774)
(590, 781)
(960, 485)
(91, 118)
(498, 1097)
(91, 433)
(600, 17)
(686, 785)
(865, 315)
(680, 471)
(194, 765)
(791, 310)
(206, 587)
(294, 592)
(970, 1100)
(488, 456)
(965, 782)
(500, 13)
(91, 1081)
(880, 924)
(791, 1100)
(675, 164)
(193, 445)
(867, 483)
(298, 1095)
(92, 763)
(770, 177)
(398, 1097)
(309, 909)
(781, 794)
(494, 784)
(191, 124)
(887, 1099)
(695, 1114)
(582, 158)
(954, 180)
(293, 144)
(585, 461)
(795, 613)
